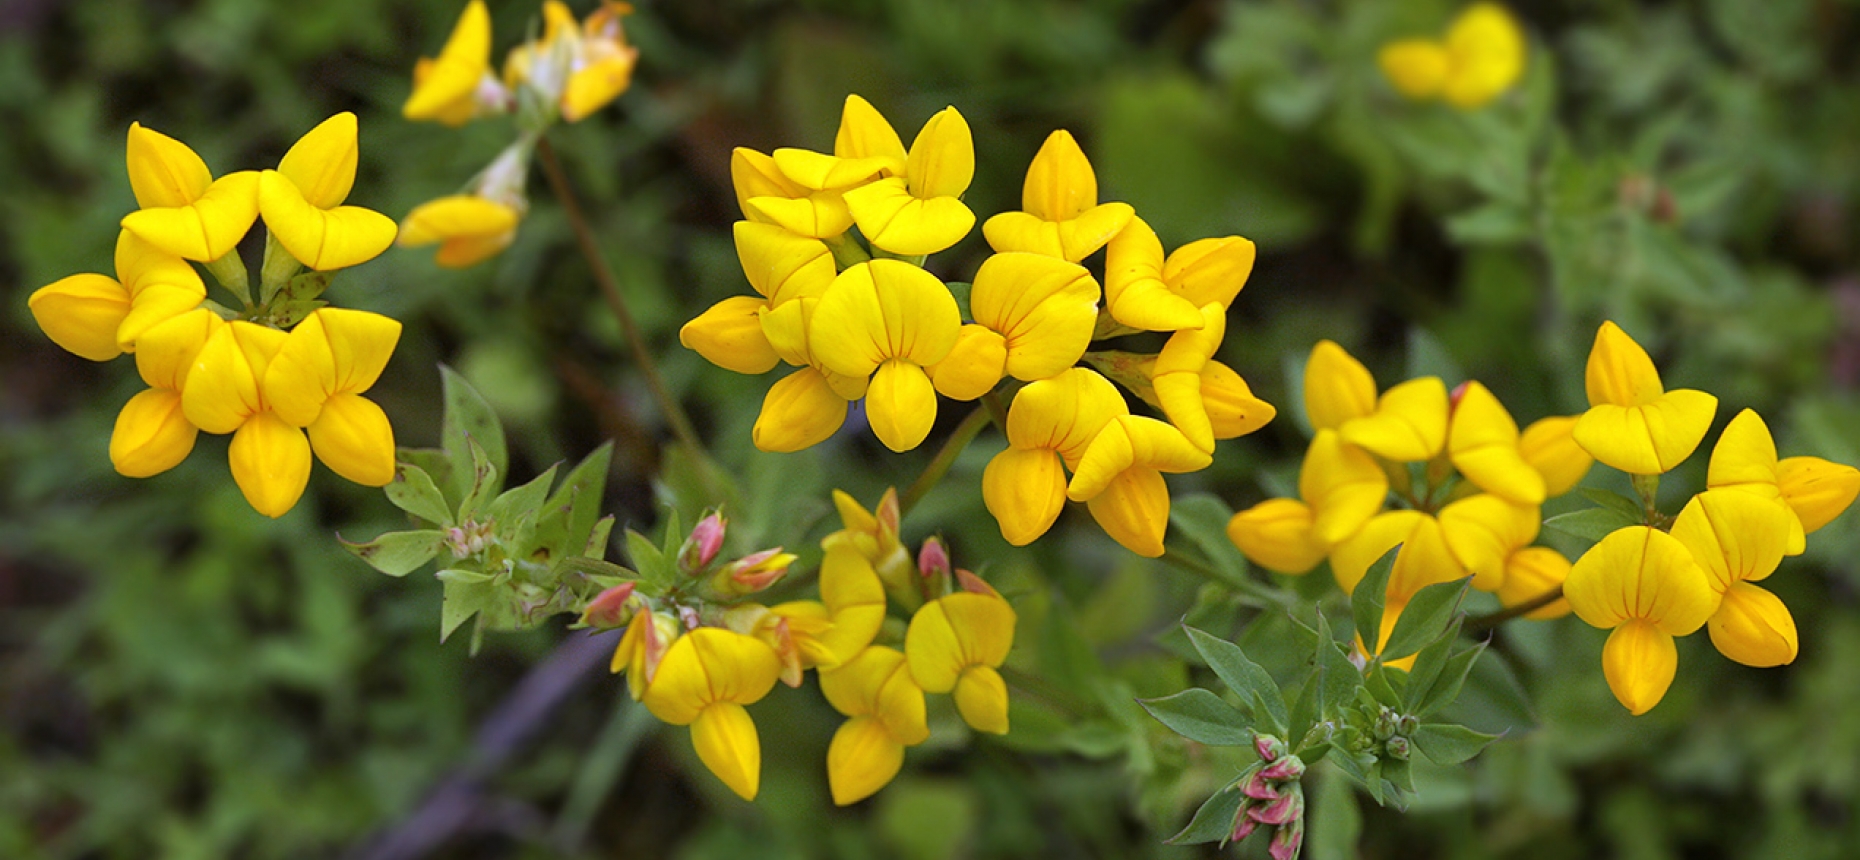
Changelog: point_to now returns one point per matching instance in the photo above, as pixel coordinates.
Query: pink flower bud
(1243, 823)
(756, 571)
(1270, 749)
(1259, 787)
(889, 515)
(1453, 397)
(933, 559)
(611, 608)
(973, 584)
(701, 548)
(1289, 807)
(1289, 767)
(1287, 842)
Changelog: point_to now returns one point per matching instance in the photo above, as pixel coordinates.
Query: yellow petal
(754, 174)
(1487, 49)
(1044, 307)
(1639, 662)
(1530, 573)
(1070, 240)
(82, 313)
(455, 218)
(1642, 573)
(901, 404)
(1343, 485)
(1132, 442)
(1483, 531)
(270, 463)
(1276, 534)
(1060, 183)
(1745, 453)
(1337, 387)
(730, 336)
(895, 220)
(151, 435)
(452, 77)
(1482, 442)
(955, 632)
(1818, 490)
(862, 758)
(974, 367)
(725, 738)
(1753, 627)
(1648, 439)
(1619, 373)
(982, 700)
(1424, 560)
(1134, 291)
(333, 351)
(816, 171)
(154, 305)
(800, 411)
(163, 172)
(941, 162)
(1176, 375)
(815, 215)
(353, 438)
(1210, 270)
(1133, 508)
(320, 238)
(1232, 409)
(206, 228)
(1549, 446)
(1064, 413)
(222, 390)
(591, 87)
(881, 310)
(1025, 489)
(1408, 425)
(322, 162)
(853, 687)
(780, 265)
(855, 599)
(168, 351)
(864, 133)
(1416, 67)
(1735, 536)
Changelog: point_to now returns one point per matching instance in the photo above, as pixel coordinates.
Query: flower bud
(1287, 841)
(1397, 748)
(1244, 824)
(754, 572)
(1269, 748)
(1290, 767)
(701, 548)
(933, 559)
(611, 608)
(1407, 725)
(1288, 808)
(1257, 786)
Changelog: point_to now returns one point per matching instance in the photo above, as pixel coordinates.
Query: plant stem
(1487, 622)
(610, 290)
(945, 457)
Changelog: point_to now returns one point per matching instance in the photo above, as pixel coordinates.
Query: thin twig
(1487, 622)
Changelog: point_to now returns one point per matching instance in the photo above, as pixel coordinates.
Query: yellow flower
(457, 86)
(781, 267)
(1277, 535)
(152, 433)
(82, 313)
(99, 318)
(1817, 489)
(302, 200)
(1644, 584)
(1738, 538)
(1550, 447)
(1530, 573)
(469, 229)
(804, 191)
(766, 196)
(1482, 442)
(1408, 423)
(1481, 57)
(1060, 214)
(886, 710)
(921, 211)
(642, 648)
(888, 320)
(577, 69)
(1813, 490)
(184, 210)
(1633, 423)
(1145, 291)
(316, 381)
(808, 405)
(1180, 376)
(1343, 485)
(873, 535)
(1120, 479)
(1483, 530)
(1050, 423)
(956, 643)
(1033, 319)
(705, 679)
(1425, 558)
(270, 457)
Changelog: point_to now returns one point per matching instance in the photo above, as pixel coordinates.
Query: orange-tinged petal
(1818, 490)
(974, 366)
(82, 314)
(1531, 573)
(1025, 489)
(726, 741)
(1417, 68)
(1343, 485)
(1619, 373)
(601, 81)
(151, 435)
(1134, 510)
(861, 759)
(1135, 293)
(1482, 442)
(864, 133)
(1132, 442)
(941, 162)
(1064, 413)
(1753, 627)
(730, 336)
(1337, 387)
(322, 162)
(270, 463)
(321, 238)
(895, 220)
(353, 438)
(452, 77)
(1408, 425)
(1735, 536)
(901, 405)
(982, 700)
(800, 411)
(1642, 573)
(1639, 662)
(163, 172)
(1276, 534)
(222, 390)
(206, 228)
(1483, 531)
(1550, 447)
(780, 265)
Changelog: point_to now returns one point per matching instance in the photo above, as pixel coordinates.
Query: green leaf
(1202, 717)
(1244, 677)
(1214, 821)
(413, 491)
(469, 418)
(1447, 687)
(582, 490)
(1341, 677)
(1307, 707)
(1591, 524)
(512, 505)
(438, 467)
(484, 477)
(1380, 686)
(961, 290)
(1428, 664)
(1613, 501)
(1494, 223)
(598, 538)
(462, 601)
(398, 553)
(1448, 744)
(593, 568)
(1336, 824)
(657, 574)
(1367, 600)
(1427, 615)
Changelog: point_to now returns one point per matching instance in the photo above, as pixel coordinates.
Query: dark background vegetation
(180, 677)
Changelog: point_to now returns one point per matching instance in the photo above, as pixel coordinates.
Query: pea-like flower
(1482, 442)
(1049, 425)
(99, 318)
(152, 433)
(1407, 423)
(1644, 585)
(957, 643)
(184, 210)
(1549, 445)
(704, 680)
(1119, 478)
(1634, 424)
(1200, 399)
(1739, 538)
(1482, 57)
(270, 457)
(1813, 490)
(317, 379)
(885, 711)
(1060, 214)
(888, 320)
(1033, 319)
(458, 86)
(920, 211)
(473, 227)
(576, 68)
(1148, 292)
(302, 200)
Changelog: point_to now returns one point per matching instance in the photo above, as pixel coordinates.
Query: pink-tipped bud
(1259, 787)
(701, 548)
(973, 584)
(1289, 767)
(1270, 749)
(933, 559)
(661, 630)
(1287, 841)
(1453, 397)
(611, 608)
(754, 572)
(1288, 808)
(890, 515)
(1244, 824)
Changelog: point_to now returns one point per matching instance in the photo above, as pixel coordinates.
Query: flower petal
(1618, 372)
(1408, 425)
(800, 411)
(270, 463)
(864, 133)
(207, 228)
(1639, 662)
(1044, 307)
(322, 162)
(1530, 573)
(1482, 442)
(726, 741)
(1818, 490)
(1343, 485)
(353, 438)
(974, 367)
(1734, 536)
(1134, 291)
(1641, 573)
(941, 163)
(222, 390)
(1025, 489)
(861, 759)
(1483, 531)
(982, 700)
(163, 172)
(1416, 67)
(901, 405)
(1550, 447)
(1133, 508)
(321, 238)
(781, 265)
(895, 220)
(452, 77)
(1276, 534)
(1753, 627)
(82, 314)
(1337, 387)
(151, 435)
(1064, 413)
(730, 336)
(1131, 441)
(167, 352)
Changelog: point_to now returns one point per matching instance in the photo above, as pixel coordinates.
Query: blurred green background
(181, 677)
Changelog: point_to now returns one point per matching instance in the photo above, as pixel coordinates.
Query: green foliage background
(180, 677)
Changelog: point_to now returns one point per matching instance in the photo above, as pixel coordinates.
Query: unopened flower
(705, 541)
(613, 607)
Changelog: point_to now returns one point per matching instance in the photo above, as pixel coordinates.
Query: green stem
(229, 271)
(1487, 622)
(610, 291)
(846, 252)
(277, 270)
(1648, 488)
(945, 457)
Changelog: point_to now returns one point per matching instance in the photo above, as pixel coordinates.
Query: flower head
(885, 707)
(1060, 214)
(1634, 424)
(956, 643)
(1644, 584)
(888, 320)
(302, 201)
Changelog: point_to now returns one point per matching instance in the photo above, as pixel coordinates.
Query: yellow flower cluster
(1652, 582)
(1481, 56)
(873, 324)
(571, 71)
(694, 661)
(282, 394)
(1474, 509)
